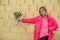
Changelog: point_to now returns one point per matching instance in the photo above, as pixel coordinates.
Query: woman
(44, 25)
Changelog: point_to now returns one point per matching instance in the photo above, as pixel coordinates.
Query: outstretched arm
(28, 20)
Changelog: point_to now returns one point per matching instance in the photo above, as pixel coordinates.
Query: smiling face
(43, 11)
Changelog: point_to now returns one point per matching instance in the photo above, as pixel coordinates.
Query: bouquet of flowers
(17, 15)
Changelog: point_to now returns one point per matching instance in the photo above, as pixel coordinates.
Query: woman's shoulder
(51, 18)
(36, 17)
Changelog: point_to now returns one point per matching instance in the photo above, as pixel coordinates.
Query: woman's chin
(43, 15)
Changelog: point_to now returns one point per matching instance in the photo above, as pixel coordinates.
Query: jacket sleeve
(54, 25)
(28, 20)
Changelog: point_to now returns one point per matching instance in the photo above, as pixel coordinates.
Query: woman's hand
(19, 19)
(17, 16)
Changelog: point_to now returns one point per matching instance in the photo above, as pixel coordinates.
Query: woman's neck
(44, 16)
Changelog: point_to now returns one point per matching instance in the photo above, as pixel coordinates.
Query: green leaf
(17, 14)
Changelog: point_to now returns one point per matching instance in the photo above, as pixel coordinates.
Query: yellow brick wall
(29, 8)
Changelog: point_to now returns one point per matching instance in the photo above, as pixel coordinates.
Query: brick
(12, 8)
(0, 1)
(19, 30)
(59, 23)
(37, 2)
(56, 36)
(55, 15)
(58, 1)
(5, 15)
(20, 2)
(29, 2)
(59, 14)
(45, 1)
(4, 1)
(1, 8)
(38, 6)
(14, 29)
(12, 2)
(54, 2)
(59, 17)
(25, 36)
(15, 36)
(8, 22)
(0, 15)
(29, 14)
(36, 13)
(7, 29)
(30, 29)
(5, 36)
(31, 36)
(24, 8)
(1, 25)
(49, 7)
(8, 36)
(32, 8)
(57, 8)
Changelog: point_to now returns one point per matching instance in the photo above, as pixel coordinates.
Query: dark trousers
(44, 38)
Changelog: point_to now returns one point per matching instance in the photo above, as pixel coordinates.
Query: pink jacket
(38, 22)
